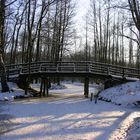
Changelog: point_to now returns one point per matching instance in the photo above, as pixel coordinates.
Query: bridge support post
(47, 87)
(44, 87)
(86, 87)
(41, 87)
(26, 85)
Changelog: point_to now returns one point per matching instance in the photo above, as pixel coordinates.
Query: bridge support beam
(44, 87)
(86, 87)
(41, 87)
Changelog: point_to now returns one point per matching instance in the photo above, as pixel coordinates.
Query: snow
(125, 94)
(127, 78)
(134, 130)
(53, 86)
(14, 91)
(67, 115)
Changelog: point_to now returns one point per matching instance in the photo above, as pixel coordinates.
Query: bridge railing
(131, 72)
(82, 66)
(65, 67)
(99, 68)
(48, 67)
(108, 69)
(53, 67)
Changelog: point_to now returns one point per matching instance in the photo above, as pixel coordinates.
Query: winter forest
(69, 69)
(46, 30)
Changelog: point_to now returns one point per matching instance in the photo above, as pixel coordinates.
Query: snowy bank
(14, 92)
(125, 94)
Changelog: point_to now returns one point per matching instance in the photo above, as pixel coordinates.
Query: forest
(45, 30)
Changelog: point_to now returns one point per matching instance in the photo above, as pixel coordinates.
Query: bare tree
(44, 10)
(4, 84)
(5, 87)
(135, 11)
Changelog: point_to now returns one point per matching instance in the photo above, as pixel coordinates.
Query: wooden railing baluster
(123, 73)
(74, 67)
(57, 68)
(108, 71)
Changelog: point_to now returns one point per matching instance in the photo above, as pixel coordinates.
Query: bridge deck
(72, 69)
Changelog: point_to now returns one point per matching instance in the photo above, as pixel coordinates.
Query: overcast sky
(82, 8)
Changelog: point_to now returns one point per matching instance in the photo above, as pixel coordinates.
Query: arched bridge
(72, 69)
(86, 69)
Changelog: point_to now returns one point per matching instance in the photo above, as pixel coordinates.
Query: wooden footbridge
(84, 69)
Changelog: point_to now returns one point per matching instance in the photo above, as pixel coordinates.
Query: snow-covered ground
(134, 130)
(125, 94)
(67, 115)
(14, 91)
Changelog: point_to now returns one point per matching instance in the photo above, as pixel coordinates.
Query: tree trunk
(4, 84)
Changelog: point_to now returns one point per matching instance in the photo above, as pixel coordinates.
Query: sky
(82, 8)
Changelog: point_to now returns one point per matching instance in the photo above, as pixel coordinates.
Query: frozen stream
(65, 115)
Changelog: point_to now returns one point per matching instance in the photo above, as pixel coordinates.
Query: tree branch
(128, 37)
(134, 33)
(10, 3)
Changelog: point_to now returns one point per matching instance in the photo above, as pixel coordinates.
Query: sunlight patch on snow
(121, 132)
(74, 116)
(113, 113)
(134, 129)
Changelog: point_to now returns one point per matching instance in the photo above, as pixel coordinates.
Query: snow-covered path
(66, 115)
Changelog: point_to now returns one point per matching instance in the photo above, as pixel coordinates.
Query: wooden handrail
(74, 66)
